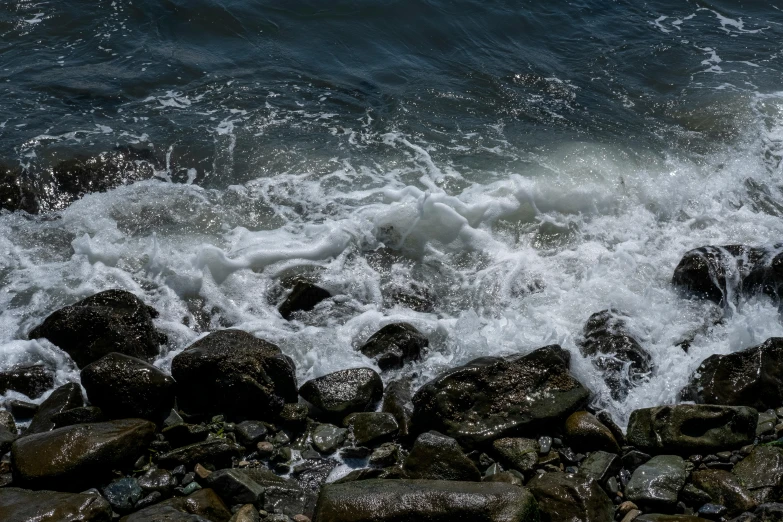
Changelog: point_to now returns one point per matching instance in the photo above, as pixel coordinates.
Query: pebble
(201, 472)
(544, 444)
(265, 449)
(631, 515)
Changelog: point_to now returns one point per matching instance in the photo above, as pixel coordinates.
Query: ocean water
(529, 163)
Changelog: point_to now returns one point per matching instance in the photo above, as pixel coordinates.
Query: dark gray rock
(564, 496)
(584, 432)
(82, 415)
(437, 457)
(15, 192)
(304, 296)
(311, 474)
(724, 489)
(20, 505)
(31, 380)
(600, 466)
(64, 398)
(201, 506)
(658, 517)
(691, 428)
(123, 494)
(656, 484)
(413, 295)
(517, 453)
(233, 373)
(250, 433)
(492, 397)
(371, 427)
(123, 386)
(110, 321)
(344, 392)
(432, 500)
(327, 437)
(148, 500)
(397, 400)
(247, 513)
(159, 480)
(282, 495)
(717, 272)
(394, 345)
(217, 452)
(235, 487)
(770, 512)
(22, 410)
(761, 472)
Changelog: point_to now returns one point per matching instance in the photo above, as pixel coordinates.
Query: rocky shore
(231, 435)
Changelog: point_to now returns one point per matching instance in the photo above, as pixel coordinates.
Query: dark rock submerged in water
(751, 377)
(110, 321)
(620, 357)
(20, 505)
(344, 392)
(394, 345)
(493, 397)
(32, 380)
(233, 372)
(304, 296)
(15, 194)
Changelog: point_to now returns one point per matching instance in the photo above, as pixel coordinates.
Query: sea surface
(525, 163)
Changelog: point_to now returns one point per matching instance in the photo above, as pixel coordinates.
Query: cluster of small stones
(230, 436)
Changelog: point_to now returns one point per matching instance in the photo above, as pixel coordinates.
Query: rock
(344, 392)
(8, 432)
(281, 494)
(520, 454)
(110, 321)
(159, 480)
(491, 397)
(66, 397)
(20, 505)
(123, 494)
(752, 377)
(385, 455)
(15, 192)
(312, 473)
(70, 458)
(250, 433)
(725, 489)
(394, 345)
(586, 433)
(606, 419)
(217, 452)
(657, 517)
(204, 504)
(22, 409)
(152, 498)
(31, 380)
(620, 357)
(124, 386)
(437, 457)
(303, 297)
(247, 513)
(656, 484)
(380, 500)
(397, 400)
(327, 437)
(761, 473)
(82, 415)
(600, 466)
(770, 512)
(564, 496)
(235, 487)
(233, 373)
(370, 427)
(691, 428)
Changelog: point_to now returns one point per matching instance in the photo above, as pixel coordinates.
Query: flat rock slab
(380, 500)
(21, 505)
(656, 484)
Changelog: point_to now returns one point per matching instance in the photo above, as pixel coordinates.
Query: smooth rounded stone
(491, 397)
(344, 392)
(21, 505)
(234, 373)
(110, 321)
(82, 415)
(569, 497)
(69, 458)
(752, 377)
(371, 427)
(379, 500)
(600, 466)
(250, 433)
(303, 297)
(247, 513)
(327, 437)
(437, 457)
(123, 386)
(234, 487)
(585, 432)
(31, 380)
(518, 453)
(656, 484)
(725, 489)
(66, 397)
(613, 351)
(761, 473)
(201, 506)
(160, 480)
(123, 494)
(397, 400)
(691, 428)
(394, 345)
(217, 452)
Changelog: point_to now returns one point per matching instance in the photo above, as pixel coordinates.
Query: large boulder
(437, 457)
(232, 372)
(202, 506)
(21, 505)
(380, 500)
(761, 473)
(394, 345)
(32, 380)
(110, 321)
(692, 428)
(75, 457)
(656, 484)
(569, 497)
(620, 358)
(344, 392)
(123, 386)
(494, 397)
(724, 489)
(752, 377)
(64, 398)
(585, 432)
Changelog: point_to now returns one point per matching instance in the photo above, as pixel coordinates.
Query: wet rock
(235, 487)
(304, 296)
(397, 400)
(123, 494)
(586, 433)
(691, 428)
(204, 504)
(761, 473)
(327, 437)
(82, 415)
(380, 500)
(312, 473)
(564, 496)
(517, 453)
(218, 452)
(606, 419)
(752, 377)
(394, 345)
(282, 495)
(600, 466)
(247, 513)
(493, 397)
(620, 357)
(31, 380)
(437, 457)
(344, 392)
(110, 321)
(152, 498)
(185, 434)
(770, 512)
(655, 485)
(124, 386)
(7, 422)
(22, 410)
(724, 489)
(250, 433)
(414, 296)
(7, 438)
(371, 427)
(159, 480)
(21, 505)
(657, 517)
(73, 457)
(66, 397)
(234, 373)
(386, 455)
(15, 192)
